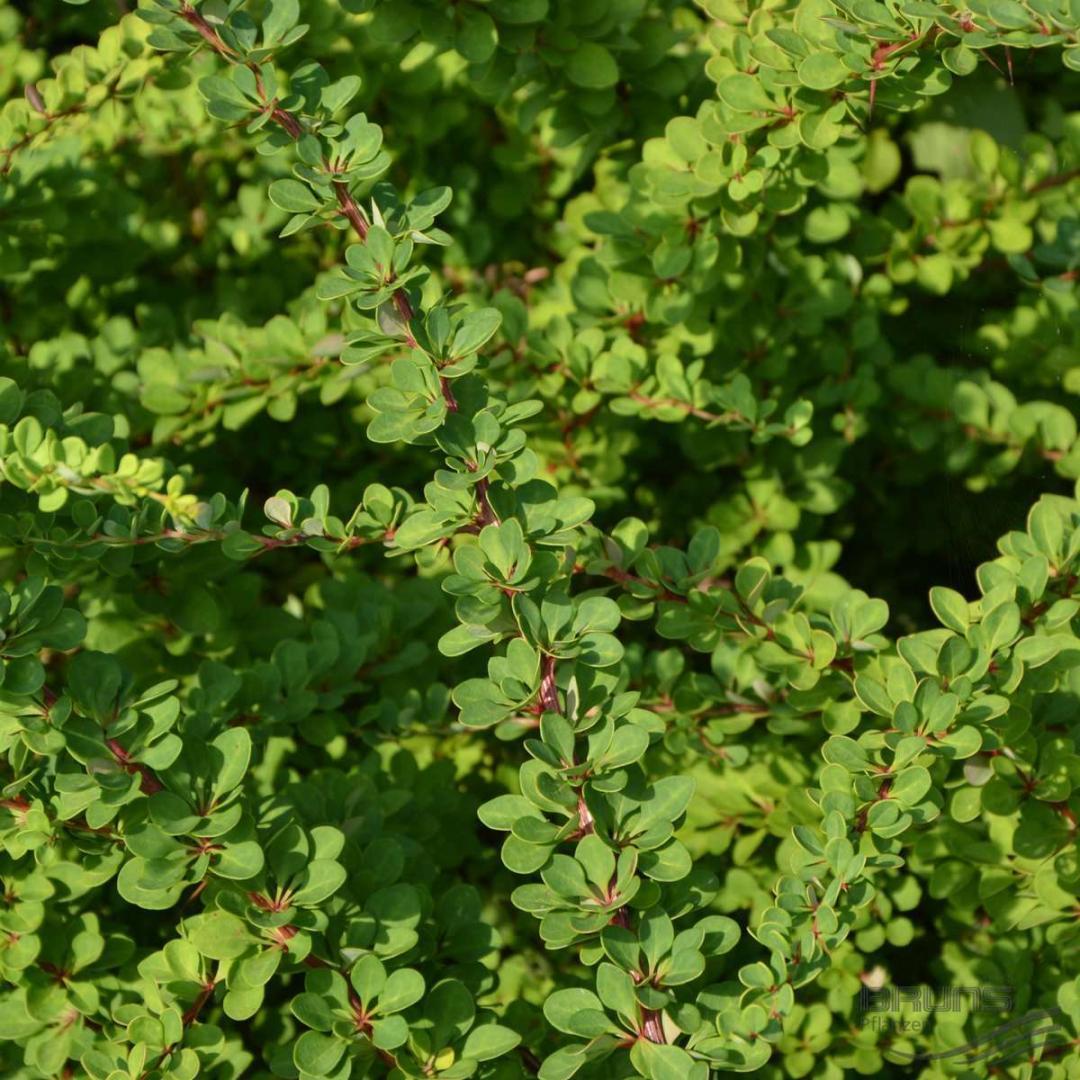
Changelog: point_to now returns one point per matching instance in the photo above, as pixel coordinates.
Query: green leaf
(389, 1032)
(477, 36)
(476, 329)
(661, 1062)
(489, 1041)
(668, 799)
(846, 752)
(564, 1008)
(911, 785)
(950, 608)
(1036, 651)
(317, 1054)
(368, 977)
(450, 1007)
(822, 71)
(293, 196)
(616, 990)
(163, 400)
(592, 66)
(11, 400)
(502, 811)
(218, 935)
(403, 988)
(321, 879)
(744, 93)
(234, 750)
(281, 17)
(463, 639)
(338, 94)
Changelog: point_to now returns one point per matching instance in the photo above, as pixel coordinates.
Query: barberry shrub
(519, 597)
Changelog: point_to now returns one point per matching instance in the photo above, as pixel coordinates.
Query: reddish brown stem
(8, 153)
(487, 514)
(549, 691)
(621, 576)
(195, 893)
(652, 1026)
(1054, 181)
(206, 32)
(1065, 811)
(287, 122)
(690, 410)
(187, 1020)
(586, 822)
(149, 784)
(529, 1060)
(192, 1014)
(405, 313)
(347, 204)
(350, 208)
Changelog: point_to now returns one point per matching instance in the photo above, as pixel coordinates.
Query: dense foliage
(518, 596)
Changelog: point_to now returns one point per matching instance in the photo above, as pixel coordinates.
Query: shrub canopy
(498, 506)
